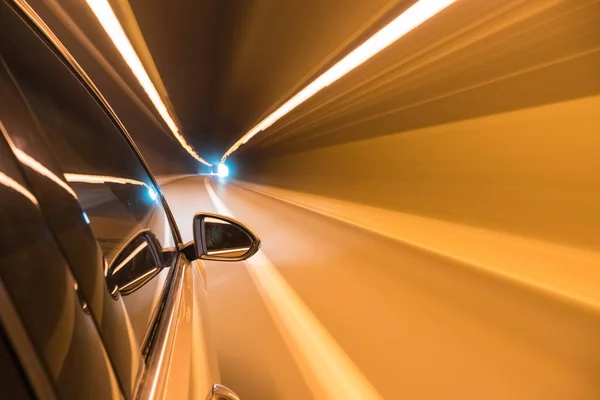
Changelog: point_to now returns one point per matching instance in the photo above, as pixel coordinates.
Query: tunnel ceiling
(226, 64)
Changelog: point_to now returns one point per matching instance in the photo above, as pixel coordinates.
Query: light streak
(414, 16)
(110, 23)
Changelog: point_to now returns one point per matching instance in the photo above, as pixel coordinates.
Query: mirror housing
(138, 261)
(220, 238)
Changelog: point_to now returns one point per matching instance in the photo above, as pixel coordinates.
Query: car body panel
(63, 214)
(39, 287)
(97, 332)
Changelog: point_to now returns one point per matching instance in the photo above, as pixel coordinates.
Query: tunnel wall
(533, 172)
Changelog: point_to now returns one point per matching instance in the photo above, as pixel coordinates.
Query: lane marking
(326, 368)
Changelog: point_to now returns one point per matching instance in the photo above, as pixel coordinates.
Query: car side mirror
(138, 261)
(220, 238)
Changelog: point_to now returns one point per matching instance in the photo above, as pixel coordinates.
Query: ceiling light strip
(110, 23)
(414, 16)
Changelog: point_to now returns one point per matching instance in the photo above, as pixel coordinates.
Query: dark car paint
(61, 210)
(56, 252)
(43, 292)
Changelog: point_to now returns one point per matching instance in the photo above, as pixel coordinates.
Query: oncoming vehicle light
(152, 193)
(222, 170)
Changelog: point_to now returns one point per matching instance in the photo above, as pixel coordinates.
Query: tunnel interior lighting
(84, 178)
(43, 170)
(223, 170)
(110, 23)
(16, 186)
(414, 16)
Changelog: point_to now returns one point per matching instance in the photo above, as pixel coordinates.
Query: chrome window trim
(161, 350)
(27, 11)
(158, 312)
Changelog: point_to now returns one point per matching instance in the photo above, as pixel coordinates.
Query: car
(99, 296)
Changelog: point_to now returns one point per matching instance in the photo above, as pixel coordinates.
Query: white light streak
(42, 170)
(110, 23)
(414, 16)
(16, 186)
(84, 178)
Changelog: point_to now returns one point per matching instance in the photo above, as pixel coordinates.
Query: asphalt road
(407, 324)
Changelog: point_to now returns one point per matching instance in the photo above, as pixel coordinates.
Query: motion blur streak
(39, 168)
(327, 370)
(111, 25)
(103, 179)
(417, 325)
(79, 33)
(517, 259)
(83, 178)
(11, 183)
(407, 21)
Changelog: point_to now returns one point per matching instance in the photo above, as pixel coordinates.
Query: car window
(38, 290)
(109, 181)
(111, 184)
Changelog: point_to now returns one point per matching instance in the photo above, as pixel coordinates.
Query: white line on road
(326, 368)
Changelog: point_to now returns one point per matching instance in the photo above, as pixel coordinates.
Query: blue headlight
(222, 170)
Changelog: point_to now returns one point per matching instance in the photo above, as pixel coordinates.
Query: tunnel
(428, 219)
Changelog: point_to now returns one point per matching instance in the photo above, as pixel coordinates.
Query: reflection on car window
(118, 207)
(223, 237)
(110, 182)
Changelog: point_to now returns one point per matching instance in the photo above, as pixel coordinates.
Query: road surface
(391, 321)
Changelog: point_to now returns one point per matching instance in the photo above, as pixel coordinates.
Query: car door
(58, 201)
(96, 194)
